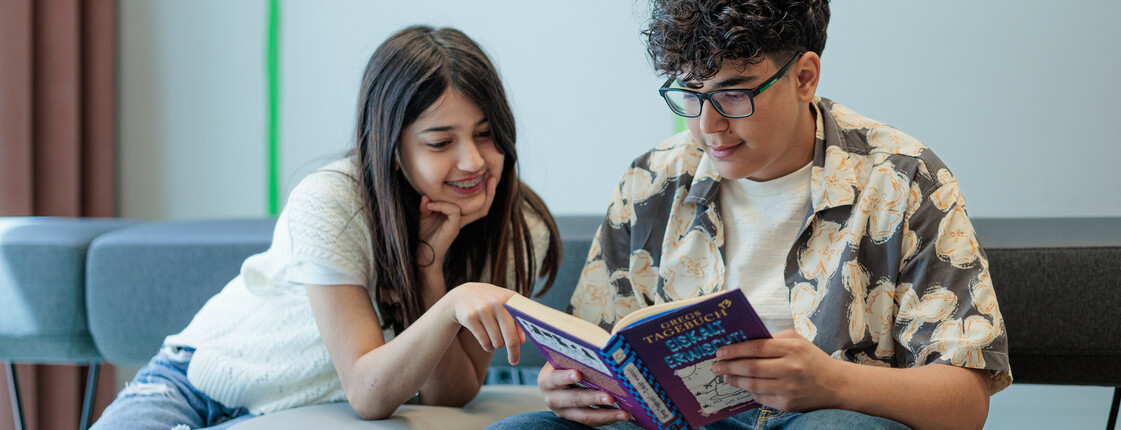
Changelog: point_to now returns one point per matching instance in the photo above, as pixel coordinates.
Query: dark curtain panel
(57, 155)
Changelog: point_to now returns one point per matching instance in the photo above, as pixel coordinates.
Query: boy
(849, 237)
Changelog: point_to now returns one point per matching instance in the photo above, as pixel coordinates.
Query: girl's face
(448, 154)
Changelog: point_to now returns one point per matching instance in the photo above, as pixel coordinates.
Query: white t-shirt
(256, 342)
(761, 222)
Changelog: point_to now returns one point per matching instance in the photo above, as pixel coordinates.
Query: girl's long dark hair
(405, 75)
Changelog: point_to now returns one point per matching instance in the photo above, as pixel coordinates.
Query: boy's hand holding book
(787, 372)
(573, 403)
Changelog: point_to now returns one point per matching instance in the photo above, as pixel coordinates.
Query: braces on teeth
(467, 184)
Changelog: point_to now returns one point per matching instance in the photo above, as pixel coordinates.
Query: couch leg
(91, 391)
(13, 389)
(1112, 423)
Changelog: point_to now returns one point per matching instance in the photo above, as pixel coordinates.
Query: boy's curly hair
(695, 37)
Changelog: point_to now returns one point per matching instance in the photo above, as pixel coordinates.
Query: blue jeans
(756, 419)
(160, 397)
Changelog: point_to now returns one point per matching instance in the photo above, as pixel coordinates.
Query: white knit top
(256, 342)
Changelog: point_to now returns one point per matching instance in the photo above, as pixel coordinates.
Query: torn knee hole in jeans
(181, 427)
(146, 389)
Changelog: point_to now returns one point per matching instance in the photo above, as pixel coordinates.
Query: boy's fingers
(592, 417)
(556, 379)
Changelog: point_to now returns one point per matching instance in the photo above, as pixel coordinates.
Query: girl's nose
(470, 160)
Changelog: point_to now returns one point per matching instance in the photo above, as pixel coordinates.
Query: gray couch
(147, 281)
(42, 296)
(1057, 281)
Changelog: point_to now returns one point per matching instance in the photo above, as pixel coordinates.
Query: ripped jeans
(160, 397)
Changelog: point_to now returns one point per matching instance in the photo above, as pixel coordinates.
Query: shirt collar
(837, 161)
(833, 164)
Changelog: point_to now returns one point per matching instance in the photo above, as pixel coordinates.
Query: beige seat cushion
(493, 403)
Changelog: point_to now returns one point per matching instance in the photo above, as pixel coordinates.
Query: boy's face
(777, 138)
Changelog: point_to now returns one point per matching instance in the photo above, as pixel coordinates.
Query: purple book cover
(668, 354)
(564, 351)
(679, 347)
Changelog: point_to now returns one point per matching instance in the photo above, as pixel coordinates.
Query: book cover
(660, 357)
(570, 348)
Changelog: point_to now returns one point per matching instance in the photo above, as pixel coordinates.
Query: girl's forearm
(388, 376)
(457, 376)
(456, 379)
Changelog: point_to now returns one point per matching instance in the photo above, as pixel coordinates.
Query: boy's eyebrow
(733, 81)
(448, 127)
(730, 82)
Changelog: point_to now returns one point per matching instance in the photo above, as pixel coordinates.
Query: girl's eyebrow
(448, 127)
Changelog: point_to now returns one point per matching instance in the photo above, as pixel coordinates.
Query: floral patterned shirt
(887, 270)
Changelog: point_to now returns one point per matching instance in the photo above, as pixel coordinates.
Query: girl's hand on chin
(440, 223)
(492, 185)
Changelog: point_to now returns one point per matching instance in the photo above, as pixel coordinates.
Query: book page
(711, 392)
(572, 325)
(564, 346)
(653, 310)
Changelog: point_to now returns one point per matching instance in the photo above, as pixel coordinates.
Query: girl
(377, 288)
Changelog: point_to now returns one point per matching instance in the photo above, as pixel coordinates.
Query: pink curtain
(57, 155)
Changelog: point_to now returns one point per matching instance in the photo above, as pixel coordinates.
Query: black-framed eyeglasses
(735, 103)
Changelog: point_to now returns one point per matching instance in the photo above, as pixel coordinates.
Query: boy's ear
(807, 71)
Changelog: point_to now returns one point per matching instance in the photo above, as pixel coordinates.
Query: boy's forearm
(925, 397)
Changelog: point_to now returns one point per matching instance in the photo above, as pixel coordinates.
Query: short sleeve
(946, 306)
(329, 237)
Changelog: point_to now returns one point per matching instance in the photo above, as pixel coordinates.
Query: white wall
(192, 109)
(1018, 98)
(572, 145)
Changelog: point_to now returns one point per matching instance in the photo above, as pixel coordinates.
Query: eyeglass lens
(729, 103)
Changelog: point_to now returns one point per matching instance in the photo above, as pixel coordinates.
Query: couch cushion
(42, 287)
(492, 404)
(1058, 282)
(577, 232)
(147, 282)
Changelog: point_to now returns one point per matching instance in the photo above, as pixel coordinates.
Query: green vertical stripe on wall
(273, 144)
(679, 122)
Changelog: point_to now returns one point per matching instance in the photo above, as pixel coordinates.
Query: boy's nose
(710, 120)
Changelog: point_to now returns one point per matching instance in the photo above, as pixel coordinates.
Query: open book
(657, 361)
